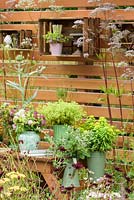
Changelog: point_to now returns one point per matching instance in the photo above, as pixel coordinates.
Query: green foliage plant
(100, 135)
(24, 73)
(55, 36)
(73, 145)
(62, 113)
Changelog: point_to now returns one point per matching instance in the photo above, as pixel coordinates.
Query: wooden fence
(82, 78)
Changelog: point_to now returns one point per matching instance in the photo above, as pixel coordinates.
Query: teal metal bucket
(59, 131)
(70, 176)
(96, 165)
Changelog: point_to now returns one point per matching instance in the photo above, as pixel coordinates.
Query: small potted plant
(61, 114)
(100, 137)
(26, 43)
(56, 39)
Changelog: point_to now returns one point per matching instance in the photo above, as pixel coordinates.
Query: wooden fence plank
(125, 141)
(122, 155)
(81, 70)
(98, 111)
(35, 54)
(80, 97)
(72, 3)
(74, 83)
(34, 16)
(19, 27)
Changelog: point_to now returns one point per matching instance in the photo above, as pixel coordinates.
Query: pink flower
(14, 126)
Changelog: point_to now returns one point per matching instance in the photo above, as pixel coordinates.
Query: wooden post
(41, 33)
(85, 35)
(97, 35)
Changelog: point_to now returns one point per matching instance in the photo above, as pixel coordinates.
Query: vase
(56, 48)
(8, 40)
(70, 176)
(28, 140)
(96, 165)
(59, 131)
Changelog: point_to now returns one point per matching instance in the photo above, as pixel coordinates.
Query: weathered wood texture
(34, 16)
(64, 3)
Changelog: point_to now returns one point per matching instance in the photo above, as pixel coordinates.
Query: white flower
(20, 113)
(122, 64)
(86, 55)
(92, 1)
(15, 118)
(116, 194)
(78, 22)
(30, 122)
(103, 8)
(129, 8)
(129, 53)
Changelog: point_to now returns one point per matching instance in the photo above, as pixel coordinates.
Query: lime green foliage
(61, 113)
(55, 37)
(100, 134)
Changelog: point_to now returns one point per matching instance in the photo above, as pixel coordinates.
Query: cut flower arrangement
(28, 120)
(19, 119)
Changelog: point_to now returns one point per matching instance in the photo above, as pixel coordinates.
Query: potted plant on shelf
(56, 39)
(61, 114)
(100, 137)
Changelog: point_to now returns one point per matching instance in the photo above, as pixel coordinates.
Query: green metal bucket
(59, 131)
(96, 165)
(70, 176)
